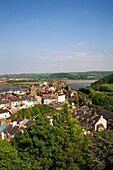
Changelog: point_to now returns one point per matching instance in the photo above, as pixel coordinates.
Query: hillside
(104, 84)
(101, 92)
(91, 75)
(105, 80)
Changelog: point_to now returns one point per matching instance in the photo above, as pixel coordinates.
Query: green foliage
(106, 87)
(72, 75)
(100, 153)
(84, 99)
(107, 79)
(46, 147)
(32, 111)
(76, 102)
(103, 100)
(88, 91)
(104, 96)
(104, 84)
(85, 90)
(8, 156)
(62, 146)
(98, 110)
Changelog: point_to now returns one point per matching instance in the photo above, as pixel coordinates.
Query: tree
(76, 102)
(100, 152)
(32, 111)
(9, 159)
(98, 110)
(46, 147)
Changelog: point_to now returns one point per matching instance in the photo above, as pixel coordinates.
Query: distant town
(22, 93)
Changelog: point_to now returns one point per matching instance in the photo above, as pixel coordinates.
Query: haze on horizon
(39, 36)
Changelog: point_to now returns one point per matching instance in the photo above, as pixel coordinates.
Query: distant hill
(91, 75)
(105, 80)
(104, 84)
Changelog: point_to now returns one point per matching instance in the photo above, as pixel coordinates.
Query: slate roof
(84, 108)
(15, 99)
(3, 111)
(13, 130)
(28, 98)
(29, 123)
(25, 121)
(85, 118)
(4, 102)
(23, 129)
(7, 128)
(107, 114)
(17, 119)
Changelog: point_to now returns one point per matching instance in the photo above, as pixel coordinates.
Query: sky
(45, 36)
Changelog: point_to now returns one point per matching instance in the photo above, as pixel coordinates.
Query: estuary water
(5, 88)
(78, 85)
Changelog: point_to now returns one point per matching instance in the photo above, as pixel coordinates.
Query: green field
(107, 87)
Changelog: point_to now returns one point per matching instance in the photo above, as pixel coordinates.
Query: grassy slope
(108, 86)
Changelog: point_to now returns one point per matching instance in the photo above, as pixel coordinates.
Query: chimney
(8, 122)
(8, 137)
(101, 117)
(95, 114)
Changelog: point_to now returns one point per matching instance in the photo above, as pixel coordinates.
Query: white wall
(4, 115)
(2, 105)
(28, 103)
(61, 98)
(14, 104)
(101, 121)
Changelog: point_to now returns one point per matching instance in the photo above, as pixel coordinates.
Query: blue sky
(39, 36)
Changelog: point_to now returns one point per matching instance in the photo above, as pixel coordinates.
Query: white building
(101, 124)
(15, 103)
(4, 113)
(61, 98)
(4, 104)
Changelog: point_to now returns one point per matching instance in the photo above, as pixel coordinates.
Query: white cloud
(74, 60)
(46, 60)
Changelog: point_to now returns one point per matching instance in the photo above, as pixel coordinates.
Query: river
(77, 85)
(6, 88)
